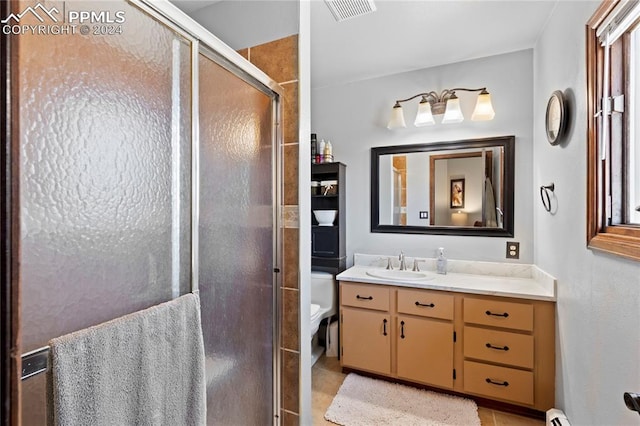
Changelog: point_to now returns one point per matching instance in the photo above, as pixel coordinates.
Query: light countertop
(535, 285)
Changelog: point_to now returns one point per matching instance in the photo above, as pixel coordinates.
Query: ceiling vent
(347, 9)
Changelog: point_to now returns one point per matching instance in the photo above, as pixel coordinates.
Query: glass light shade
(453, 113)
(424, 116)
(397, 118)
(484, 109)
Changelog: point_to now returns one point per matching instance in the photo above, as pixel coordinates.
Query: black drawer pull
(364, 297)
(430, 305)
(506, 314)
(384, 327)
(504, 348)
(505, 383)
(402, 329)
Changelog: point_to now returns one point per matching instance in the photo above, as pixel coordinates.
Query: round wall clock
(556, 118)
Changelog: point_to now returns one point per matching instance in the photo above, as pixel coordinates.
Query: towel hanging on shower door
(143, 368)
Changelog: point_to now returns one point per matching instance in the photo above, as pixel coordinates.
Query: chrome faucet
(403, 265)
(389, 264)
(415, 264)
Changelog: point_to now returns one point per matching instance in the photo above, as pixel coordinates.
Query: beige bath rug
(363, 401)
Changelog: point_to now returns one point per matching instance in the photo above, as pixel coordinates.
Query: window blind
(625, 14)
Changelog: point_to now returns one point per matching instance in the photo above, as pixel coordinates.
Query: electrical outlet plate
(424, 215)
(513, 250)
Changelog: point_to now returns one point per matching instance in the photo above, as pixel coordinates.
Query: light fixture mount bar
(430, 96)
(433, 97)
(482, 89)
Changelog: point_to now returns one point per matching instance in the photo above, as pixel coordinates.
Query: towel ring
(545, 197)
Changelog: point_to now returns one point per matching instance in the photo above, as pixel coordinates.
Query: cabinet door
(425, 351)
(325, 241)
(366, 340)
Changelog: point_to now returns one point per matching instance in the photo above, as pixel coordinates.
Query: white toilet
(323, 305)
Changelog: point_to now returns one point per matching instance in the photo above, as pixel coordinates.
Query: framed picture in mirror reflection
(457, 193)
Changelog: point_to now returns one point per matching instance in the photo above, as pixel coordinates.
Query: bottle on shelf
(321, 148)
(314, 143)
(328, 153)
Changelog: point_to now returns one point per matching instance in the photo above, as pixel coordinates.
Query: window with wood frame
(613, 90)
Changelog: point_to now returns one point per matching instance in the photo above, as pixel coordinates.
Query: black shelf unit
(328, 243)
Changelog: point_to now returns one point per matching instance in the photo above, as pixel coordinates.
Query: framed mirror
(449, 188)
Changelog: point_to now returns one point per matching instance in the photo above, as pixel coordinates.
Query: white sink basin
(400, 275)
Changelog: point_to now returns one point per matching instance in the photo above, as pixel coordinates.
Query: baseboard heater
(557, 417)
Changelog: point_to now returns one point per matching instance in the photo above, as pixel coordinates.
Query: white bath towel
(146, 368)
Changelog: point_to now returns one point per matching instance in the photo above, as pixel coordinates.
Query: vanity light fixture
(446, 103)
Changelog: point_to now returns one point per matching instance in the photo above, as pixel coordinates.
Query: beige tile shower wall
(279, 60)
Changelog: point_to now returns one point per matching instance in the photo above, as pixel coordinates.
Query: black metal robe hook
(544, 195)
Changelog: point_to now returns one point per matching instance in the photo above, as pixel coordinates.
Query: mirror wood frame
(506, 142)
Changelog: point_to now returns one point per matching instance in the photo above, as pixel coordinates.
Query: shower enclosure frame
(9, 240)
(202, 42)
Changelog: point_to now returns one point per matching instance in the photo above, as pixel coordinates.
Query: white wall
(417, 188)
(354, 117)
(598, 309)
(248, 23)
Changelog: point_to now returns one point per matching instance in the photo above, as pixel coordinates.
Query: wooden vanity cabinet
(365, 323)
(424, 337)
(425, 351)
(401, 333)
(509, 350)
(369, 337)
(489, 346)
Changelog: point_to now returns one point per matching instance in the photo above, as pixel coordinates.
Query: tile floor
(327, 377)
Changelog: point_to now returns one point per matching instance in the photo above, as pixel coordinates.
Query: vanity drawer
(365, 296)
(498, 313)
(425, 303)
(498, 382)
(498, 346)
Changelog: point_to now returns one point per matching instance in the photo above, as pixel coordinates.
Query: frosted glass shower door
(105, 177)
(236, 246)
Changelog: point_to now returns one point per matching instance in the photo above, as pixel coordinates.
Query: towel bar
(544, 195)
(34, 362)
(632, 401)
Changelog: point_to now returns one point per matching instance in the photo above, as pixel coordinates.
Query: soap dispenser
(441, 262)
